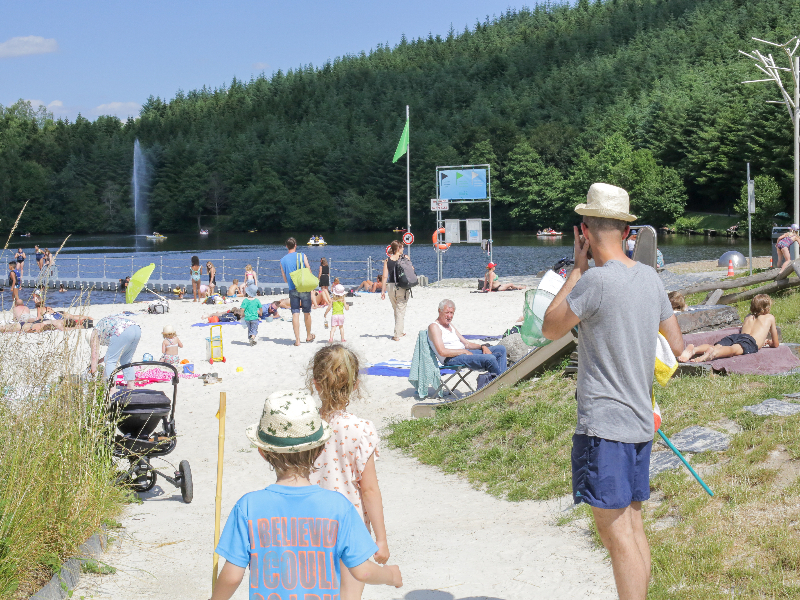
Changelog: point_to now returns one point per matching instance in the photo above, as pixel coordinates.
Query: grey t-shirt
(620, 309)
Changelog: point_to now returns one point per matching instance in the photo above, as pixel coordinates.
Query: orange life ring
(436, 243)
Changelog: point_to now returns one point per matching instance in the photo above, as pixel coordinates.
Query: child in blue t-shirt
(252, 313)
(293, 534)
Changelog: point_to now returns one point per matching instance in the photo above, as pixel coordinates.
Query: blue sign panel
(462, 184)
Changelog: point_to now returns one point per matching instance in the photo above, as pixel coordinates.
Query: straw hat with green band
(290, 423)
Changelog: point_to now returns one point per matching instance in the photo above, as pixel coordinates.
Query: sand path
(451, 541)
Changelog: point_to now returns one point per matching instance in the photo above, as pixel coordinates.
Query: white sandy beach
(450, 540)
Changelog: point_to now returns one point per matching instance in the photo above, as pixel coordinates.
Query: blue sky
(108, 57)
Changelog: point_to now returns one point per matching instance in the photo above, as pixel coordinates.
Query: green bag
(302, 277)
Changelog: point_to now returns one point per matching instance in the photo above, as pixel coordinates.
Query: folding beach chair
(460, 373)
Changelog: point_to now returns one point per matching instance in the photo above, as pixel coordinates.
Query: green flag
(402, 145)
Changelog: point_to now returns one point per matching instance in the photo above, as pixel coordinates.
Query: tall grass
(56, 470)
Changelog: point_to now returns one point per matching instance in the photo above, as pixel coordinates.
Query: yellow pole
(218, 499)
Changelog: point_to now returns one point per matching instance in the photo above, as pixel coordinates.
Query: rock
(773, 406)
(794, 395)
(664, 460)
(516, 349)
(700, 439)
(731, 427)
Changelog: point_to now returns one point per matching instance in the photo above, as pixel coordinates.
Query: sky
(97, 58)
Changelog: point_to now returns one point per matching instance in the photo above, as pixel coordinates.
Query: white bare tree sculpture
(767, 65)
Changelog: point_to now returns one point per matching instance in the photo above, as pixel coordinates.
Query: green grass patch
(515, 445)
(56, 469)
(744, 541)
(702, 221)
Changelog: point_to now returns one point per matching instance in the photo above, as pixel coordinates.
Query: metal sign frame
(487, 200)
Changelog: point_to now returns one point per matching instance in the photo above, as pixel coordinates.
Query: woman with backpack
(398, 296)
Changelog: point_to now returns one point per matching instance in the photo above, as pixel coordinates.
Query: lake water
(516, 253)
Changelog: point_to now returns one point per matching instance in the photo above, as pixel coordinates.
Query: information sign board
(474, 231)
(439, 204)
(751, 196)
(452, 231)
(462, 184)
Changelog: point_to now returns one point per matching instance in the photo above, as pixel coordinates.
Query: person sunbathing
(491, 283)
(234, 314)
(758, 330)
(47, 313)
(374, 287)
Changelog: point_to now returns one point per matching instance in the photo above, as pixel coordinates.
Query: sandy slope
(452, 542)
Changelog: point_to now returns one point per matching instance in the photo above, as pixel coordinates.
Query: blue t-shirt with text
(289, 264)
(293, 538)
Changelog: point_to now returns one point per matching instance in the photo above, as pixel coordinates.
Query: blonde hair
(335, 281)
(292, 463)
(338, 298)
(677, 301)
(248, 267)
(168, 336)
(235, 282)
(334, 371)
(760, 305)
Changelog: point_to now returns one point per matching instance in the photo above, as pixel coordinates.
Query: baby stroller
(138, 413)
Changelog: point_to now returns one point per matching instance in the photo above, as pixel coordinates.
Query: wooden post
(218, 498)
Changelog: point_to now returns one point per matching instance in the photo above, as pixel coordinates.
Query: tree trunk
(775, 286)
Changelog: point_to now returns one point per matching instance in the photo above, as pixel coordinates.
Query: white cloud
(260, 66)
(27, 45)
(123, 110)
(55, 105)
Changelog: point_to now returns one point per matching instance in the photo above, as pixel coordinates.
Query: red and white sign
(437, 205)
(389, 250)
(408, 238)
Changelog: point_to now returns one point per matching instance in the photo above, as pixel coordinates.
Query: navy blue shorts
(609, 474)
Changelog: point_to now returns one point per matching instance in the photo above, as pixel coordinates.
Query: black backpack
(404, 274)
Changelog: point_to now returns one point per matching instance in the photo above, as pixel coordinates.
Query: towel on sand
(767, 361)
(153, 375)
(424, 371)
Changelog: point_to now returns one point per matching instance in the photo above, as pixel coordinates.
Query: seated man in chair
(452, 349)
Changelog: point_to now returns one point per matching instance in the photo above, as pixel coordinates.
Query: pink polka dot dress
(345, 455)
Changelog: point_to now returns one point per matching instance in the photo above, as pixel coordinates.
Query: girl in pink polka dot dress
(347, 463)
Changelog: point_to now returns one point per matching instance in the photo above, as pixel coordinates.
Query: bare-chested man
(758, 330)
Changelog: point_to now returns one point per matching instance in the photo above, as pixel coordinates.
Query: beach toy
(214, 345)
(239, 369)
(185, 361)
(147, 357)
(188, 368)
(213, 319)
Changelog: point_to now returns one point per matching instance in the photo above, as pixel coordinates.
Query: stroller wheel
(144, 477)
(187, 489)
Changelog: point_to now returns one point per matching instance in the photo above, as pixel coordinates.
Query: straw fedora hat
(167, 330)
(606, 201)
(290, 423)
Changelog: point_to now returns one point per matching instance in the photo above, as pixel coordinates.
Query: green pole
(685, 462)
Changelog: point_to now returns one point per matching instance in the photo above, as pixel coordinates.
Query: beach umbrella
(782, 215)
(138, 281)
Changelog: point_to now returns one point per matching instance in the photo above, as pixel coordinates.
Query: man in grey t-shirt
(619, 307)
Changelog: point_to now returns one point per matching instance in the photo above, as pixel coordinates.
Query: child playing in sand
(677, 301)
(252, 312)
(170, 345)
(235, 291)
(337, 307)
(758, 327)
(322, 529)
(347, 463)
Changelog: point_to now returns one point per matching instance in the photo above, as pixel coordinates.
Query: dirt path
(452, 542)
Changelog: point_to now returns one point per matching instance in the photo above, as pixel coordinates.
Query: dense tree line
(642, 93)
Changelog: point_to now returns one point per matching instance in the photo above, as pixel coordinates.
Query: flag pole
(408, 182)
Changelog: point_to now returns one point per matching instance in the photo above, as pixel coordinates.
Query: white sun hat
(290, 423)
(606, 201)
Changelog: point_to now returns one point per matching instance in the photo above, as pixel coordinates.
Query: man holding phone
(619, 307)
